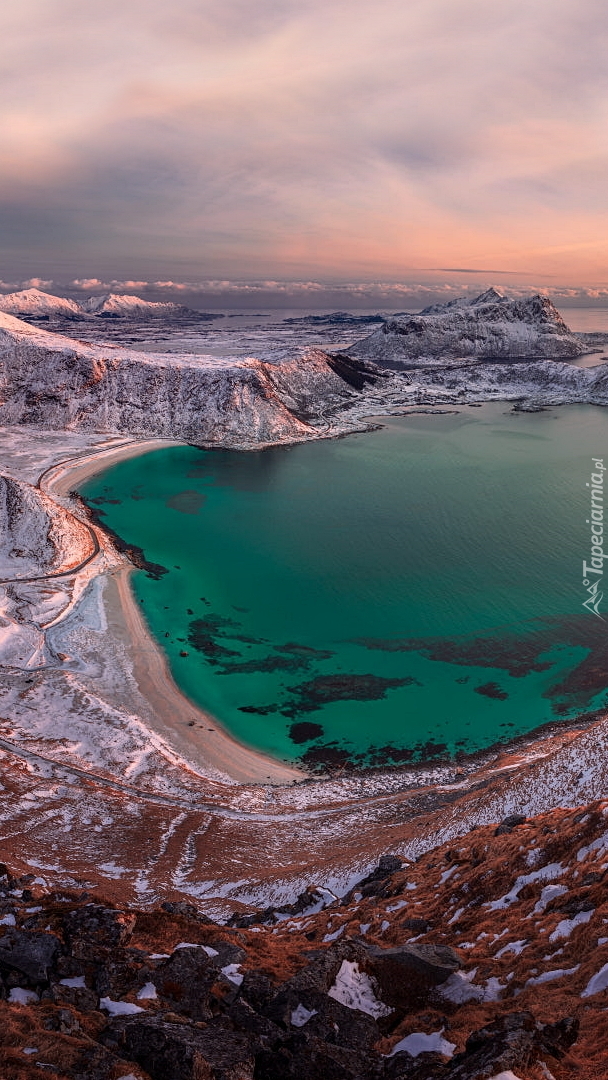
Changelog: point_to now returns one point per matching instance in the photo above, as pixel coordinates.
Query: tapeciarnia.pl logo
(593, 571)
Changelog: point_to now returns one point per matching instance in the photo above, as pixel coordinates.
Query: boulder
(509, 823)
(406, 973)
(183, 907)
(33, 955)
(185, 982)
(80, 997)
(99, 925)
(317, 1060)
(512, 1043)
(169, 1051)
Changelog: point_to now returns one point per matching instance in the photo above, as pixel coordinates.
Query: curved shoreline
(192, 731)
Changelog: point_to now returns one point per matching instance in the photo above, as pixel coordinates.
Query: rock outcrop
(489, 327)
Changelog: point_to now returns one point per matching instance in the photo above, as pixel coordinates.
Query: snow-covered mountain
(488, 327)
(40, 305)
(123, 306)
(36, 304)
(59, 383)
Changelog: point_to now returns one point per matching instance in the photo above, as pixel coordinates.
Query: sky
(411, 144)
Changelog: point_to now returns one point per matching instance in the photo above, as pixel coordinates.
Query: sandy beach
(193, 733)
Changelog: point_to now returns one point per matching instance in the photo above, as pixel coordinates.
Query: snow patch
(19, 996)
(597, 982)
(119, 1008)
(546, 873)
(419, 1043)
(549, 976)
(354, 989)
(301, 1016)
(458, 988)
(550, 892)
(566, 926)
(231, 971)
(515, 947)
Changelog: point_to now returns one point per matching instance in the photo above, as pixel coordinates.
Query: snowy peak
(124, 306)
(489, 326)
(35, 304)
(38, 304)
(490, 296)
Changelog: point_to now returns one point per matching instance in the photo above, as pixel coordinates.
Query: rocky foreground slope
(486, 958)
(489, 327)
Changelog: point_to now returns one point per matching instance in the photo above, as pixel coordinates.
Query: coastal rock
(488, 327)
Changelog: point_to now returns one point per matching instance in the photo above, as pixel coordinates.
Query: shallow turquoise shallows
(404, 594)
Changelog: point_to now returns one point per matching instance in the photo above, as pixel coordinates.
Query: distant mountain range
(35, 304)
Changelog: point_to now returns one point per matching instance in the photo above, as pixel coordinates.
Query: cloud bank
(312, 295)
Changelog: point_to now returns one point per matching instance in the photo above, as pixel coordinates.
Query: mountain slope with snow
(37, 532)
(489, 327)
(486, 959)
(38, 304)
(59, 383)
(124, 306)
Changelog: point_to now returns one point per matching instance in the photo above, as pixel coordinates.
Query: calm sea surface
(390, 596)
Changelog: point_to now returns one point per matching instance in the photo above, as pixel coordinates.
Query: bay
(398, 595)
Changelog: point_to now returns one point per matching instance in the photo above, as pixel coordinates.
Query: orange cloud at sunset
(341, 140)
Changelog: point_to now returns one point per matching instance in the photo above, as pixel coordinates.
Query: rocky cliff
(486, 959)
(489, 327)
(55, 382)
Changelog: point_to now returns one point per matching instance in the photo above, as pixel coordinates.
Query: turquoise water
(396, 595)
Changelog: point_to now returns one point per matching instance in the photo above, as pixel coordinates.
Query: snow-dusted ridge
(36, 304)
(125, 306)
(63, 384)
(489, 327)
